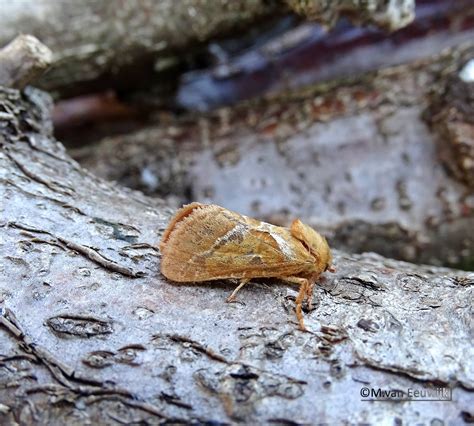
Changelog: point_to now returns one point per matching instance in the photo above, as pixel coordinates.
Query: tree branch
(368, 160)
(146, 40)
(81, 343)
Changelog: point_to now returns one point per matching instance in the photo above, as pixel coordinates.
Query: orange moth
(207, 242)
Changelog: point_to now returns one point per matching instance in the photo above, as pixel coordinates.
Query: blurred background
(360, 125)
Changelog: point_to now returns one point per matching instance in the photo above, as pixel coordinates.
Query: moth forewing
(210, 243)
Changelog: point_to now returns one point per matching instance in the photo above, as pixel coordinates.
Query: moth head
(316, 243)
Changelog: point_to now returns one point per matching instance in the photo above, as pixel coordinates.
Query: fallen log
(90, 332)
(365, 160)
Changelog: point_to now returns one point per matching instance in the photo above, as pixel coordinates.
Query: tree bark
(90, 332)
(130, 44)
(365, 160)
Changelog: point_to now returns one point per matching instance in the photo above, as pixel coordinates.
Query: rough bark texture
(358, 159)
(91, 332)
(391, 14)
(129, 44)
(452, 116)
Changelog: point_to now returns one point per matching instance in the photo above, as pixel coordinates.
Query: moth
(206, 242)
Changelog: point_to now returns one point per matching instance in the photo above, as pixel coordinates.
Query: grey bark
(382, 162)
(90, 332)
(130, 44)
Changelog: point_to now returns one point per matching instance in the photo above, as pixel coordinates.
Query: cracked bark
(83, 342)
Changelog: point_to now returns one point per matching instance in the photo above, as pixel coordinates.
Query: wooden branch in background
(97, 45)
(23, 61)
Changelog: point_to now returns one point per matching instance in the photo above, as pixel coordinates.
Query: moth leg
(309, 294)
(305, 287)
(232, 297)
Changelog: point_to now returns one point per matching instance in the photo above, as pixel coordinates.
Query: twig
(23, 61)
